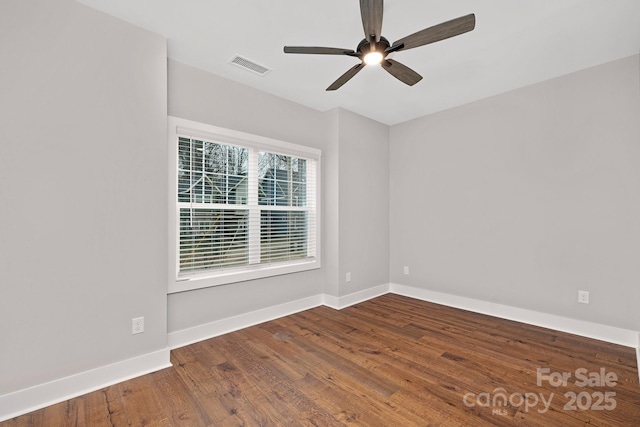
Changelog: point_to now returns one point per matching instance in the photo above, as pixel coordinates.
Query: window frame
(187, 128)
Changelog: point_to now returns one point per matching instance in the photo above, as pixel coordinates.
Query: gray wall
(331, 204)
(83, 186)
(363, 201)
(201, 96)
(525, 198)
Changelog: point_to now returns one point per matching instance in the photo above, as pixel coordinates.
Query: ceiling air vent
(249, 65)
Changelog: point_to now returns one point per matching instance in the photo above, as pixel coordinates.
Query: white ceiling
(515, 43)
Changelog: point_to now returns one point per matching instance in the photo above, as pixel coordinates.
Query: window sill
(220, 278)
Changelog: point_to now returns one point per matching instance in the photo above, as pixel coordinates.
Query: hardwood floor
(390, 361)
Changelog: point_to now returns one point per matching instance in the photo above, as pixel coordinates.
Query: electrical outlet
(137, 325)
(406, 270)
(583, 297)
(348, 278)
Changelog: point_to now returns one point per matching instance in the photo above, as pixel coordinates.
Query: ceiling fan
(374, 48)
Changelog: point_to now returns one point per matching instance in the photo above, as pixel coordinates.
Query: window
(244, 206)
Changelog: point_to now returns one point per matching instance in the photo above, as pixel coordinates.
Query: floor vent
(249, 65)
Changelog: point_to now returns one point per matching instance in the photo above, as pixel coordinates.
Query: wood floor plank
(389, 361)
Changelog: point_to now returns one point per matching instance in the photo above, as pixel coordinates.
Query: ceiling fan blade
(346, 76)
(401, 72)
(436, 33)
(315, 50)
(371, 11)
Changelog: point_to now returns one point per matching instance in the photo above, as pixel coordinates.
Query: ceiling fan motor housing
(364, 46)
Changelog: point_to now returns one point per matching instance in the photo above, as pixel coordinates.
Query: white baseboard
(223, 326)
(339, 303)
(638, 357)
(583, 328)
(42, 395)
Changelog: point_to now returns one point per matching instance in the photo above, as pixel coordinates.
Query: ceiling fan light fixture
(373, 58)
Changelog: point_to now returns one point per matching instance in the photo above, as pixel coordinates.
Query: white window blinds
(242, 206)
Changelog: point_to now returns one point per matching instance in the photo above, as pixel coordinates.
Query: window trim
(182, 127)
